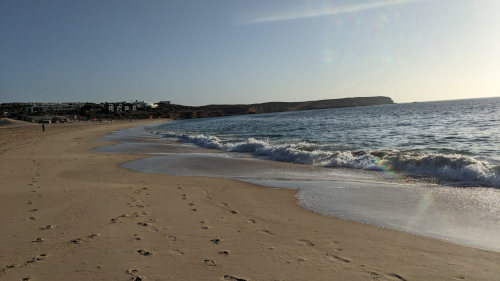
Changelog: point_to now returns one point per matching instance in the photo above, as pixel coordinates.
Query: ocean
(430, 168)
(452, 142)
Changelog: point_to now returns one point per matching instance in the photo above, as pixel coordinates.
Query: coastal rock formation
(269, 107)
(319, 104)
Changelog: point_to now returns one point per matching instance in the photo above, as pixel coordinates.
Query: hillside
(270, 107)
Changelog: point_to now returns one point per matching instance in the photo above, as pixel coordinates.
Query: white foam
(459, 169)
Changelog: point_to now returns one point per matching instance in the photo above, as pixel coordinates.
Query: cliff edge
(215, 110)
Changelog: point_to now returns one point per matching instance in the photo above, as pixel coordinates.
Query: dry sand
(11, 123)
(71, 214)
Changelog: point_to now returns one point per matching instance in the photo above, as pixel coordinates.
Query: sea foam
(453, 168)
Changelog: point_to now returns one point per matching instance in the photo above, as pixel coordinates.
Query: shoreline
(93, 217)
(466, 217)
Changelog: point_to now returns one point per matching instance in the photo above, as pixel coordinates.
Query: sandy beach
(68, 213)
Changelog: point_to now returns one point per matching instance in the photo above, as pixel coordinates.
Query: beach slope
(68, 213)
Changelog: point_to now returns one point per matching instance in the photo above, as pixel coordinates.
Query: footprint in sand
(47, 227)
(140, 214)
(216, 241)
(145, 253)
(10, 266)
(268, 232)
(305, 242)
(76, 241)
(209, 262)
(251, 221)
(224, 252)
(80, 240)
(177, 251)
(338, 258)
(133, 273)
(395, 276)
(226, 205)
(37, 240)
(233, 278)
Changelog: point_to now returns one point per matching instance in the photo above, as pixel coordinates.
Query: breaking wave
(449, 168)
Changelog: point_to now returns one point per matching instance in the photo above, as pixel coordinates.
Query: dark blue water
(454, 142)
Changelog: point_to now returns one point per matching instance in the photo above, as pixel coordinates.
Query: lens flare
(384, 166)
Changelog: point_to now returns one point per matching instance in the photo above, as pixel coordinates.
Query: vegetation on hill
(92, 111)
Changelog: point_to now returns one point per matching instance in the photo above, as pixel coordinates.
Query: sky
(238, 51)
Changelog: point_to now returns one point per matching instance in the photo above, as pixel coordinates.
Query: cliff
(188, 112)
(270, 107)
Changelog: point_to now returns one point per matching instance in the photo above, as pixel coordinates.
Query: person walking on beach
(43, 127)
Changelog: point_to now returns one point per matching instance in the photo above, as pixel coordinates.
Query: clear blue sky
(239, 51)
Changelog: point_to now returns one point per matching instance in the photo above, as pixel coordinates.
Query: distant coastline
(84, 111)
(271, 107)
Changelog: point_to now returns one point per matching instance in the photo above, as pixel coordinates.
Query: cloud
(327, 11)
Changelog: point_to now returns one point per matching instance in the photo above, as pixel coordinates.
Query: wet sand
(69, 213)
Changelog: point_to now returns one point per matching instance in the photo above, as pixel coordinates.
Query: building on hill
(54, 107)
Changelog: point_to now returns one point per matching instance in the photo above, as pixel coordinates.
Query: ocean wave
(450, 168)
